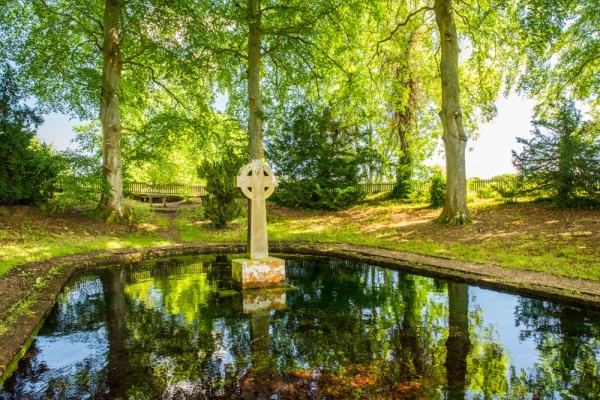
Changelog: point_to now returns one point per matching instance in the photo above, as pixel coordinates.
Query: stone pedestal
(264, 272)
(257, 182)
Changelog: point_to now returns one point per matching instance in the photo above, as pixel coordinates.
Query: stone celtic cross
(257, 182)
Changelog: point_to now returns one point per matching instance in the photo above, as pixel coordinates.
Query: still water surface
(175, 329)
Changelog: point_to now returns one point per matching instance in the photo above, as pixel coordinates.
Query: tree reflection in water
(176, 329)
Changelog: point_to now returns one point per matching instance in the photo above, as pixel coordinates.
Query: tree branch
(400, 25)
(300, 27)
(89, 32)
(162, 85)
(218, 50)
(311, 44)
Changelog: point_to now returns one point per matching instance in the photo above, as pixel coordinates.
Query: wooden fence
(474, 185)
(138, 188)
(181, 190)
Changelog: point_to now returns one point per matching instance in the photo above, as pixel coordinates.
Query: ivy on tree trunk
(455, 211)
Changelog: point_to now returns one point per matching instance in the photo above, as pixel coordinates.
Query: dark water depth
(175, 329)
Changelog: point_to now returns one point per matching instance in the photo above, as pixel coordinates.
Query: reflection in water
(458, 342)
(176, 329)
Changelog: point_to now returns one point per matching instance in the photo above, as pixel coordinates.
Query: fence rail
(473, 185)
(138, 188)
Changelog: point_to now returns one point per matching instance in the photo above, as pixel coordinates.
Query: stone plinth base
(250, 274)
(260, 300)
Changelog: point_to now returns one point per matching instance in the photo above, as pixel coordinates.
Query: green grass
(559, 255)
(42, 248)
(375, 222)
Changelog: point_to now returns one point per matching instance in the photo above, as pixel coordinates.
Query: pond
(176, 329)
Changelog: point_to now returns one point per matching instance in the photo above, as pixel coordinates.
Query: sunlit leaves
(561, 40)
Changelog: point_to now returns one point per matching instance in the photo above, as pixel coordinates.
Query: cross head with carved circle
(256, 180)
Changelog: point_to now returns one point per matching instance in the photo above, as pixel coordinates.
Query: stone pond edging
(33, 301)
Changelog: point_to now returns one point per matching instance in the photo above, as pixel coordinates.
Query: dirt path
(172, 212)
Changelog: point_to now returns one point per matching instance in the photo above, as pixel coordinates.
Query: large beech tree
(455, 209)
(264, 40)
(482, 29)
(87, 58)
(112, 68)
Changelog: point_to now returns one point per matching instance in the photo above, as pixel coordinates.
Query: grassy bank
(29, 234)
(531, 236)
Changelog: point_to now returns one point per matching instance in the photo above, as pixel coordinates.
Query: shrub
(222, 205)
(403, 186)
(563, 155)
(29, 168)
(312, 195)
(315, 157)
(221, 213)
(437, 191)
(80, 182)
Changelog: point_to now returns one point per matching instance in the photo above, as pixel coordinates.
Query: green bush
(221, 214)
(80, 182)
(437, 191)
(312, 196)
(315, 157)
(29, 168)
(222, 205)
(563, 155)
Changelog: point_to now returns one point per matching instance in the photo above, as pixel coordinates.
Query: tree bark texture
(109, 110)
(455, 209)
(255, 136)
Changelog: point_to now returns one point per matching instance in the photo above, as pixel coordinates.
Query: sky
(491, 152)
(489, 155)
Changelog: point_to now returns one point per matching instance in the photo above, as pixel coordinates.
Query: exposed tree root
(462, 217)
(111, 215)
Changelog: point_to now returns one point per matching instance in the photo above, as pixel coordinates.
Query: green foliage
(80, 182)
(314, 156)
(222, 205)
(508, 187)
(560, 43)
(403, 187)
(437, 191)
(28, 167)
(563, 156)
(221, 213)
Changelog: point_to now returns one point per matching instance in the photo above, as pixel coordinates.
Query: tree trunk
(255, 137)
(455, 211)
(111, 204)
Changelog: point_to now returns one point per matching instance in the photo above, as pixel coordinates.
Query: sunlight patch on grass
(149, 227)
(114, 245)
(50, 247)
